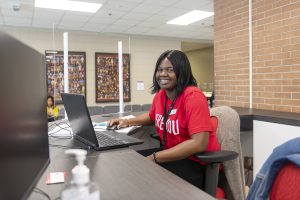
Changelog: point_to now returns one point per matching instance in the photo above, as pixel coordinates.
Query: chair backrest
(133, 108)
(110, 109)
(228, 134)
(95, 110)
(61, 113)
(146, 107)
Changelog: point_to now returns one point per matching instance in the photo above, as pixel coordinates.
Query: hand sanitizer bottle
(80, 187)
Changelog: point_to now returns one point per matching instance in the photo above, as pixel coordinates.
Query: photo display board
(55, 73)
(107, 77)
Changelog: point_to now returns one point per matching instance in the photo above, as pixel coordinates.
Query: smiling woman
(180, 114)
(165, 76)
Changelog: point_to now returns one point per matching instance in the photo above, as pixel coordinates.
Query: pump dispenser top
(80, 187)
(80, 173)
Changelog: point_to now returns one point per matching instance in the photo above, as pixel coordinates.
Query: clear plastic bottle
(80, 187)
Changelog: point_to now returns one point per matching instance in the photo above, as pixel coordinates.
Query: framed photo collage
(106, 74)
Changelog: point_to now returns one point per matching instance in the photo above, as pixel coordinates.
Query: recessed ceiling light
(68, 5)
(190, 17)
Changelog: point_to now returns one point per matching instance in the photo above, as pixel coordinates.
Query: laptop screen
(79, 118)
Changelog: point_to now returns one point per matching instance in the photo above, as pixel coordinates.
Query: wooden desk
(122, 174)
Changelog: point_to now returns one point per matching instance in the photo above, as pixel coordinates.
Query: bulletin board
(107, 77)
(55, 73)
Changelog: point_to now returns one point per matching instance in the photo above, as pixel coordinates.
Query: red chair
(226, 124)
(286, 184)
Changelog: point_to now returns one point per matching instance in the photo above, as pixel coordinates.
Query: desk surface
(123, 174)
(120, 174)
(287, 118)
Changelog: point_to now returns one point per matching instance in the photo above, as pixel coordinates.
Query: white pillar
(66, 68)
(250, 55)
(121, 100)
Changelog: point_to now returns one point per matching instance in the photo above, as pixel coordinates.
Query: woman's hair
(182, 68)
(52, 99)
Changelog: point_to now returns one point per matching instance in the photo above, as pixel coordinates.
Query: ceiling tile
(48, 17)
(136, 16)
(162, 2)
(209, 7)
(142, 17)
(99, 20)
(74, 18)
(21, 13)
(91, 27)
(138, 30)
(172, 12)
(44, 25)
(95, 1)
(115, 29)
(159, 19)
(4, 4)
(147, 8)
(119, 5)
(115, 14)
(135, 1)
(126, 22)
(70, 26)
(192, 4)
(149, 24)
(45, 22)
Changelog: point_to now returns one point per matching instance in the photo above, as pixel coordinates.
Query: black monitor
(24, 150)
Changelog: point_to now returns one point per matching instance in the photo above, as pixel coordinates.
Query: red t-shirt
(190, 115)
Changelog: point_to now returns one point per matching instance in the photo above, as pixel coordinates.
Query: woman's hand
(141, 120)
(150, 157)
(122, 123)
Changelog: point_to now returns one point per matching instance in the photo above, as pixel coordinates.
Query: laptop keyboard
(106, 140)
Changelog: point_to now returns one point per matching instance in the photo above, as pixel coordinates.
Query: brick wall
(231, 53)
(276, 54)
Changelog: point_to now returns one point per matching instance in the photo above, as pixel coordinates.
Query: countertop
(249, 114)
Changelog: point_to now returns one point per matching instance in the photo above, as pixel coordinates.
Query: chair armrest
(210, 157)
(216, 156)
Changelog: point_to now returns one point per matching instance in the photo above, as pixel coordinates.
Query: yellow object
(52, 112)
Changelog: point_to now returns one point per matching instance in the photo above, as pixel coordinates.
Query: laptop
(83, 130)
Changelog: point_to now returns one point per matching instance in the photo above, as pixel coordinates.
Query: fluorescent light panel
(68, 5)
(190, 17)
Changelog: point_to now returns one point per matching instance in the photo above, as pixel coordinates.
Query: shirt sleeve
(197, 113)
(55, 112)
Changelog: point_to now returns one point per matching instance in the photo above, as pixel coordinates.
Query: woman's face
(49, 102)
(165, 75)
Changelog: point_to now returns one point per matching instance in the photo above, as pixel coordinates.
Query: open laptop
(83, 129)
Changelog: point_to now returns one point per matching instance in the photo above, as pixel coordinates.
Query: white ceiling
(137, 17)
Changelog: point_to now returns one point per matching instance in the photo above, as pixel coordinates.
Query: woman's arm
(141, 120)
(198, 143)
